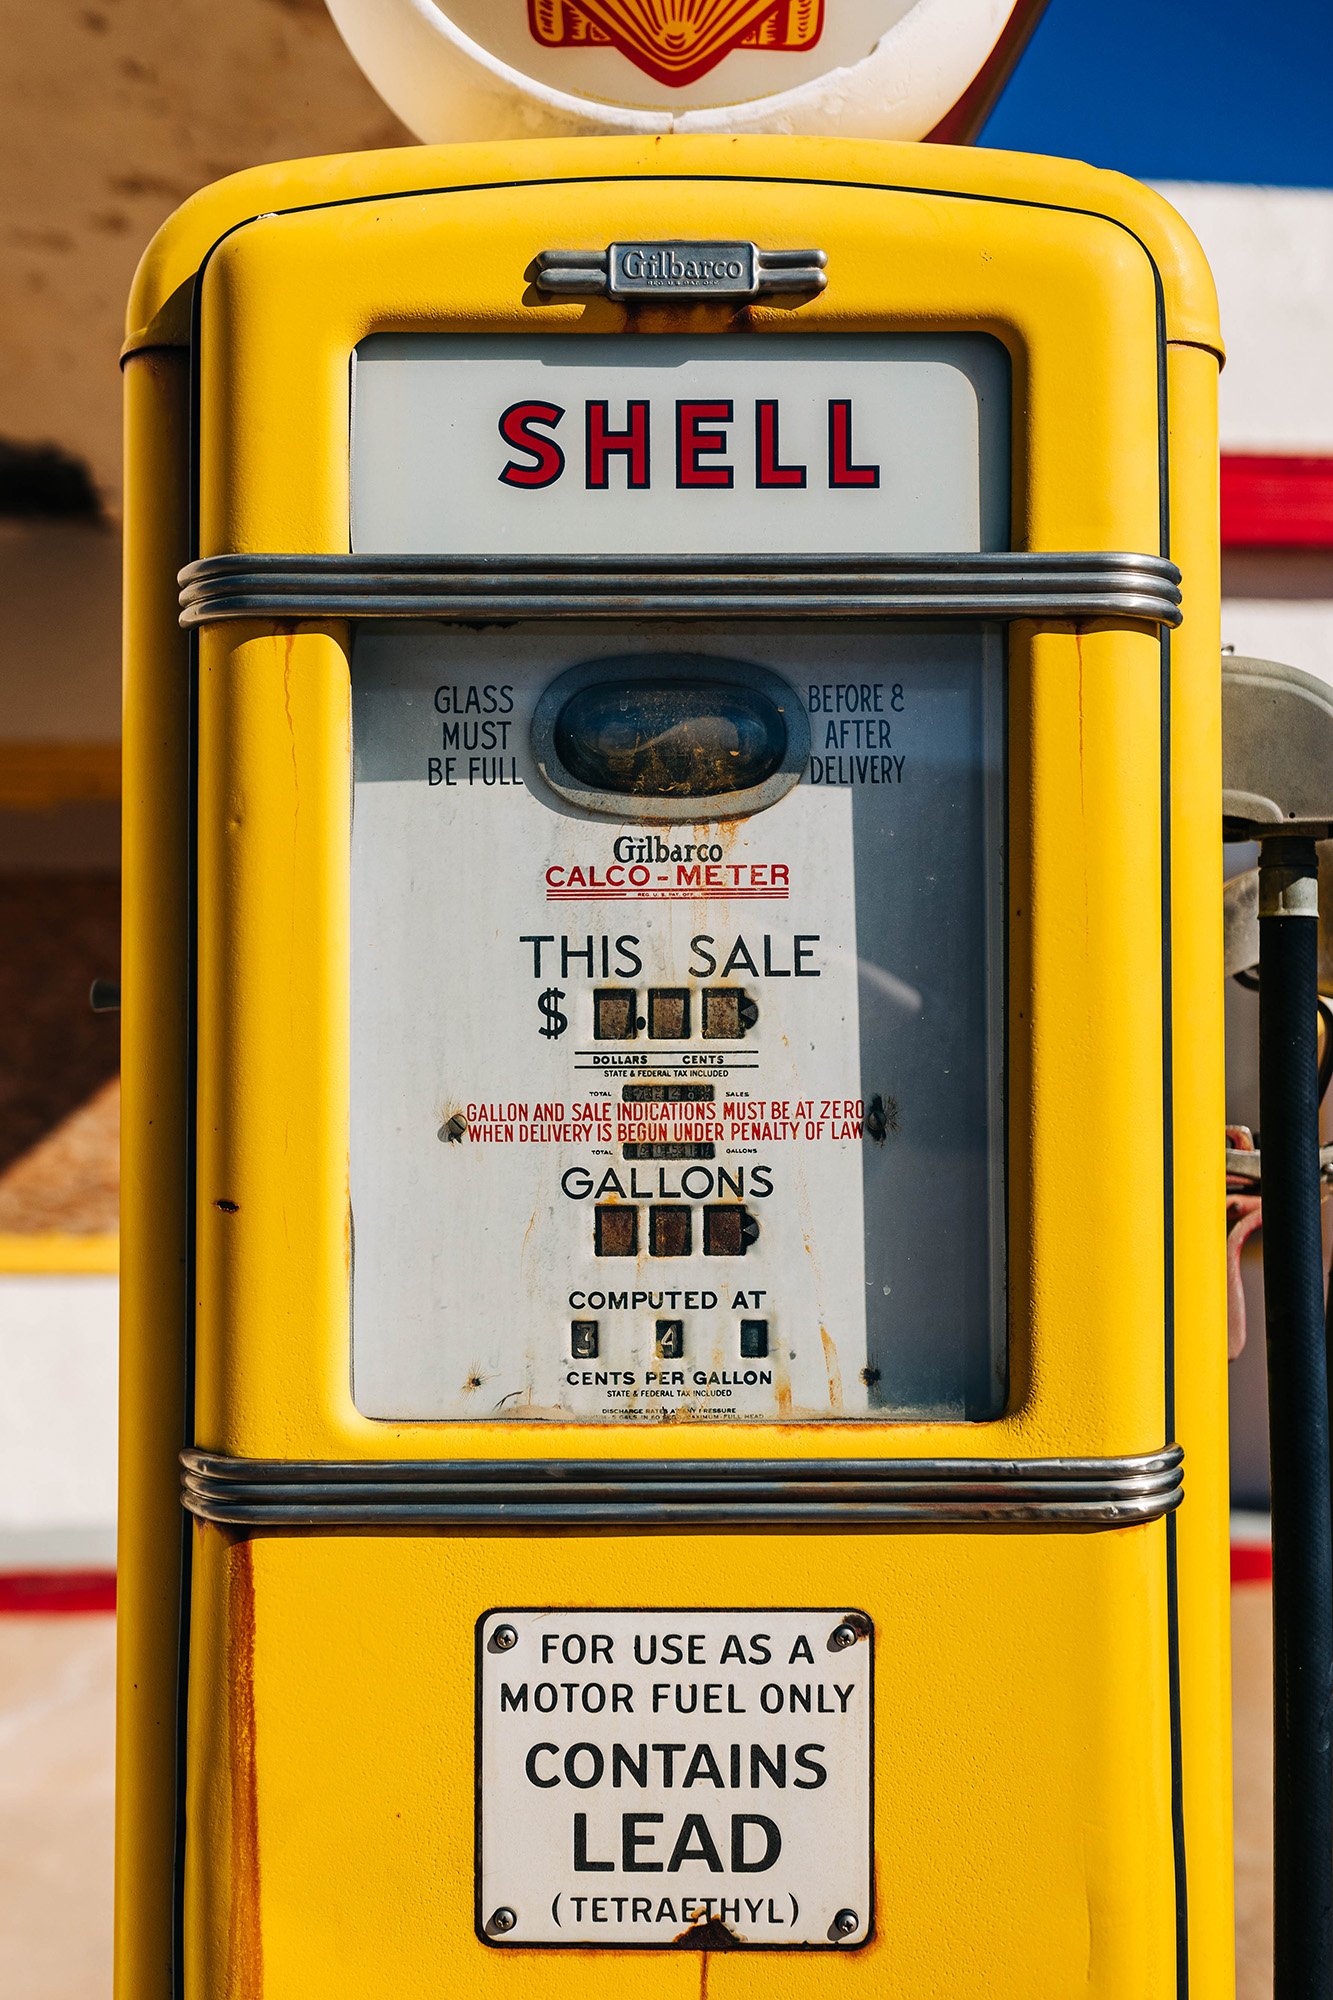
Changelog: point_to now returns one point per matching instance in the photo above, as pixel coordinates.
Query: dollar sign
(548, 1003)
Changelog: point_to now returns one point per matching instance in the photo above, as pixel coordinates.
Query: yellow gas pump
(672, 1253)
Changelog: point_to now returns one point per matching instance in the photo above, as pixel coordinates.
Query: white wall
(1271, 250)
(57, 1421)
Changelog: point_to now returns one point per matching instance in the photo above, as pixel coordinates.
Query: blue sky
(1208, 90)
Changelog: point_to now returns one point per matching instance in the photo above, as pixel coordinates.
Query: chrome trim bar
(1038, 585)
(684, 1493)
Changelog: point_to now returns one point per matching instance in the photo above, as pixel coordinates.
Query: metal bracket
(1277, 750)
(679, 270)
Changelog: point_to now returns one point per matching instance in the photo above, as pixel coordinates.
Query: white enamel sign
(650, 1778)
(845, 443)
(658, 1116)
(678, 948)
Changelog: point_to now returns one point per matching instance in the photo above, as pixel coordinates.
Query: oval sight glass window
(670, 738)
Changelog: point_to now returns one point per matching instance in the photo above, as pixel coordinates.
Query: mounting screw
(501, 1920)
(843, 1924)
(502, 1638)
(853, 1625)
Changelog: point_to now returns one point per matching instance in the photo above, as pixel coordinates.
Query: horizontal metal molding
(999, 586)
(687, 1493)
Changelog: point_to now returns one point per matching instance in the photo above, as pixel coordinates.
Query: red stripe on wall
(52, 1593)
(1251, 1562)
(1272, 502)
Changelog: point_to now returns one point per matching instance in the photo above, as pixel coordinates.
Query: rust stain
(711, 1936)
(288, 643)
(1078, 648)
(726, 831)
(1082, 776)
(245, 1945)
(833, 1368)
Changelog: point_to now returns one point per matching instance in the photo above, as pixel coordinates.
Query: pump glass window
(677, 1022)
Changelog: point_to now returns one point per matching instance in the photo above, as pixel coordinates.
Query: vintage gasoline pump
(673, 1082)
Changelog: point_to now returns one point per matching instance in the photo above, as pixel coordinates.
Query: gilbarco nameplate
(680, 270)
(696, 1778)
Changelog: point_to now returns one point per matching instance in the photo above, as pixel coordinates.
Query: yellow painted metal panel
(153, 1187)
(1024, 1766)
(159, 306)
(1200, 1311)
(273, 1221)
(1072, 297)
(1022, 1789)
(1075, 301)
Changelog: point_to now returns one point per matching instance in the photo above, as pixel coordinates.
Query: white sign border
(850, 1614)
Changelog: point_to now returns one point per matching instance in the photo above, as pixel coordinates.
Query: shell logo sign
(522, 69)
(677, 41)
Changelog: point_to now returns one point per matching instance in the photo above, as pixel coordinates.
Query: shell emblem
(677, 41)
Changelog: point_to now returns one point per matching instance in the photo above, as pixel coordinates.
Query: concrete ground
(56, 1677)
(1252, 1745)
(55, 1803)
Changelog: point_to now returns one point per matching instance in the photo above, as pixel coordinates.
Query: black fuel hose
(1298, 1422)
